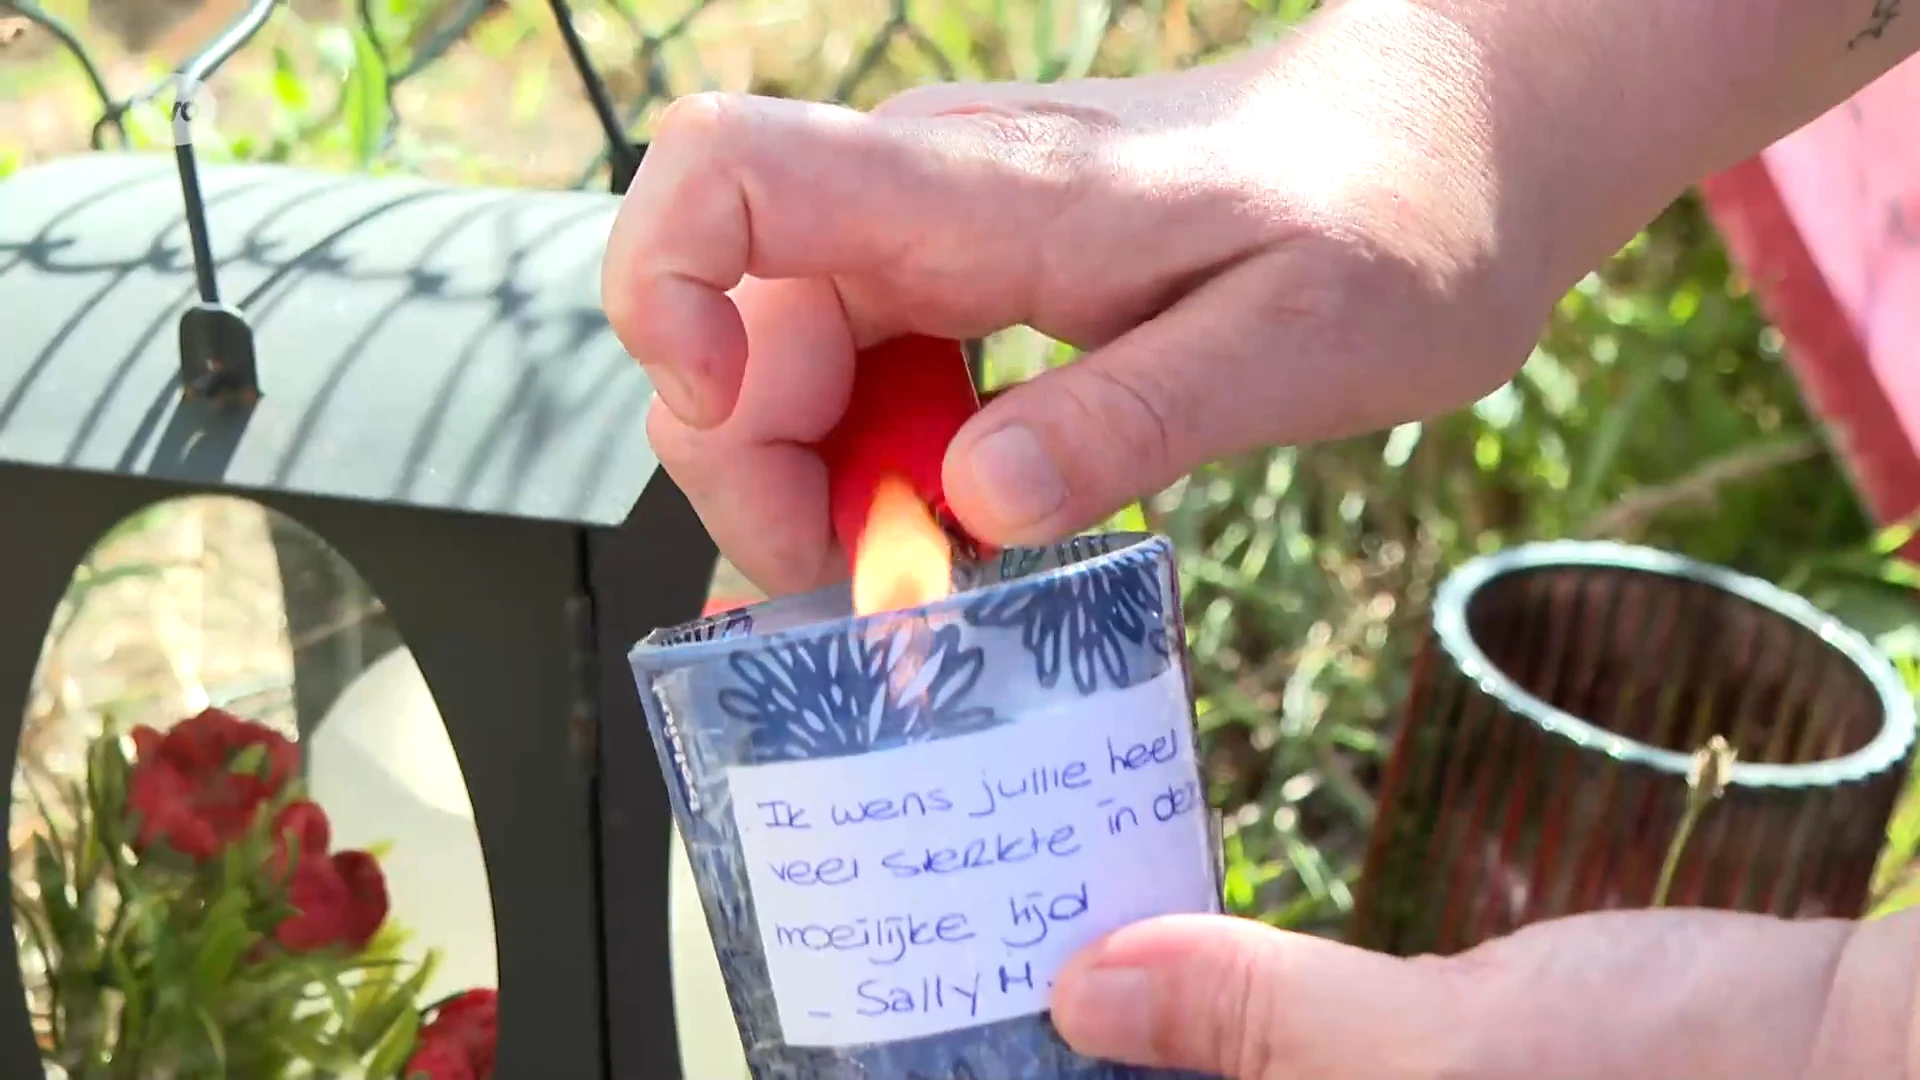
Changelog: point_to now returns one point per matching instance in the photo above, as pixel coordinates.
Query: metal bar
(230, 41)
(188, 79)
(619, 148)
(442, 39)
(204, 278)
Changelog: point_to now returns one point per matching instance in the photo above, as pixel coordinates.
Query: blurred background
(1655, 409)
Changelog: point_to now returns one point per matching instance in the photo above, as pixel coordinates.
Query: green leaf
(1599, 463)
(371, 1027)
(1239, 888)
(948, 29)
(89, 858)
(1090, 30)
(50, 876)
(531, 91)
(107, 774)
(224, 940)
(40, 938)
(250, 761)
(307, 1040)
(323, 972)
(216, 1039)
(1892, 538)
(133, 997)
(1905, 896)
(288, 87)
(365, 100)
(396, 1048)
(45, 813)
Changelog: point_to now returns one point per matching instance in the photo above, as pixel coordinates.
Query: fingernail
(1017, 476)
(1108, 1013)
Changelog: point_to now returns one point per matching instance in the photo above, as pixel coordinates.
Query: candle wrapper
(902, 825)
(910, 397)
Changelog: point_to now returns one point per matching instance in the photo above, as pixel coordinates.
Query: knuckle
(1457, 1053)
(686, 213)
(1046, 143)
(1049, 143)
(1473, 1031)
(698, 139)
(705, 118)
(1227, 1024)
(1258, 1048)
(1140, 413)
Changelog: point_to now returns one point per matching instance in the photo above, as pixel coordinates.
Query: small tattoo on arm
(1883, 13)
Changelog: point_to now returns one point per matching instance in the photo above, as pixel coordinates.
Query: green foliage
(154, 966)
(1655, 409)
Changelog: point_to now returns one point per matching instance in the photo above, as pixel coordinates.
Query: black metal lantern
(440, 399)
(1544, 765)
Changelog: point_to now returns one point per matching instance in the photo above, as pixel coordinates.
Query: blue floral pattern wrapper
(799, 682)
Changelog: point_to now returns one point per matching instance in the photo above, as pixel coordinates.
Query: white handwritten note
(940, 886)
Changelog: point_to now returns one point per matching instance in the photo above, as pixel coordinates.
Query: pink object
(1826, 225)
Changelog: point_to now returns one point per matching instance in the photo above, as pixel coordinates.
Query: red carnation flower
(464, 1029)
(300, 829)
(185, 791)
(339, 899)
(440, 1061)
(469, 1009)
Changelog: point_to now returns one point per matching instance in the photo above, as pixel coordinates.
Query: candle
(902, 824)
(909, 398)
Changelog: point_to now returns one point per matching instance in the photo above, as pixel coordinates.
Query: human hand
(1327, 238)
(1651, 995)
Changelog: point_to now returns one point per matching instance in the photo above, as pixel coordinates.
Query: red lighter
(910, 397)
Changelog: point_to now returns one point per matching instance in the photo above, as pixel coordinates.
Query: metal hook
(216, 342)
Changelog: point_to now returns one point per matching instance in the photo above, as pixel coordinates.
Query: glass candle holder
(901, 825)
(1542, 767)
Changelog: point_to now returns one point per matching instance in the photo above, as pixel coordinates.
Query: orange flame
(903, 558)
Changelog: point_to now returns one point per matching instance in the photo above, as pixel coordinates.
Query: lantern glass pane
(212, 663)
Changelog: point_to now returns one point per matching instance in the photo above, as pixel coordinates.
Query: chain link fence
(628, 57)
(376, 84)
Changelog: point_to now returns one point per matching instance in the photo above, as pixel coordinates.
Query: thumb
(1199, 382)
(1236, 998)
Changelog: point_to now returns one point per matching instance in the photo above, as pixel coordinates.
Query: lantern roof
(417, 344)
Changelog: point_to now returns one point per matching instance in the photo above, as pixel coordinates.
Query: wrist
(1615, 108)
(1427, 134)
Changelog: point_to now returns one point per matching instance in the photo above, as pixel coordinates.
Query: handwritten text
(940, 885)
